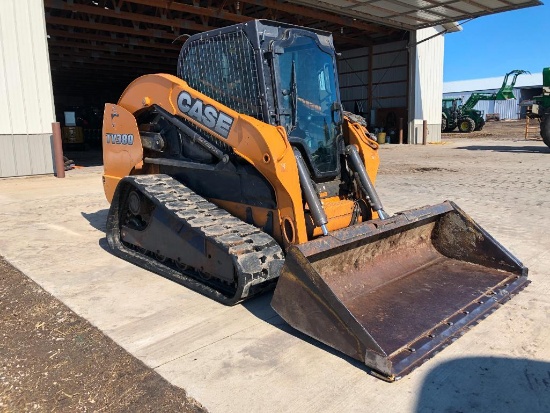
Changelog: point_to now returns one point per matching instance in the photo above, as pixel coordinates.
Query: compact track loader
(242, 173)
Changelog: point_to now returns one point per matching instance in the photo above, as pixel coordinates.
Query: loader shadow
(104, 244)
(97, 219)
(486, 384)
(503, 148)
(260, 307)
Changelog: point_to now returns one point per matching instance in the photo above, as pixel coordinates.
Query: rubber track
(256, 255)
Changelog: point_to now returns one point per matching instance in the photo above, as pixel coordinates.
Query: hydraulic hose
(194, 136)
(370, 193)
(315, 207)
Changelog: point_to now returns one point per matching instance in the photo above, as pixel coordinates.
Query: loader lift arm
(504, 93)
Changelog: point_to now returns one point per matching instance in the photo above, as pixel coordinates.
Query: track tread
(256, 255)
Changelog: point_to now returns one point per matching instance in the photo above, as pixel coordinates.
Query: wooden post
(369, 86)
(401, 131)
(424, 132)
(58, 150)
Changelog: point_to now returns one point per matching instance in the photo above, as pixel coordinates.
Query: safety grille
(223, 68)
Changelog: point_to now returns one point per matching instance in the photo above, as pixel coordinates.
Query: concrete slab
(245, 358)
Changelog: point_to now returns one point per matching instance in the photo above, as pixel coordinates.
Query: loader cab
(306, 98)
(278, 73)
(451, 104)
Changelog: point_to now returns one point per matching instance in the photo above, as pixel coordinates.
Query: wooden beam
(83, 83)
(358, 41)
(160, 34)
(111, 28)
(369, 80)
(110, 77)
(217, 13)
(70, 80)
(133, 17)
(150, 68)
(118, 50)
(126, 41)
(70, 52)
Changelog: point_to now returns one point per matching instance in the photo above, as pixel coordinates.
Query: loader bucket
(393, 293)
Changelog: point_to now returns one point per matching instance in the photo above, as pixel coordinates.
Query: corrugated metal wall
(389, 76)
(26, 103)
(410, 78)
(353, 77)
(507, 109)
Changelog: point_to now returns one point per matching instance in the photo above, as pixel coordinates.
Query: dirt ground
(54, 361)
(502, 130)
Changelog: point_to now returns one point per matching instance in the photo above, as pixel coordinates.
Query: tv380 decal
(120, 139)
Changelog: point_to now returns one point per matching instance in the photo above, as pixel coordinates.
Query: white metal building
(26, 95)
(526, 87)
(59, 53)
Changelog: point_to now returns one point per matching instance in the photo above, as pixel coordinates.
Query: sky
(491, 46)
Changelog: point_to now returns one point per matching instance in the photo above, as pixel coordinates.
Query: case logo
(120, 139)
(207, 115)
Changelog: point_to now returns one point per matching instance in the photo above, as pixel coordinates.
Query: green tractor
(464, 116)
(541, 108)
(454, 114)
